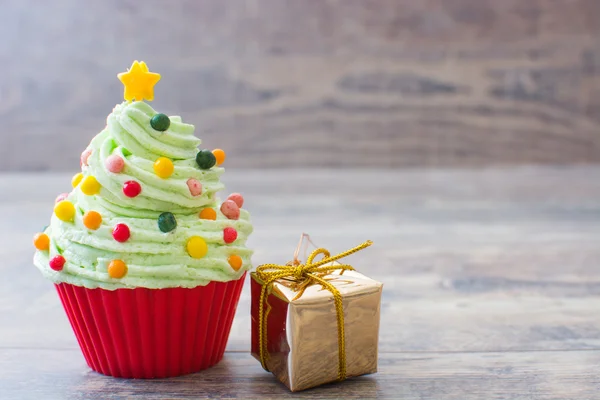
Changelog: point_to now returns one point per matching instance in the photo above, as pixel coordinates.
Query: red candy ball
(121, 233)
(132, 188)
(57, 263)
(229, 235)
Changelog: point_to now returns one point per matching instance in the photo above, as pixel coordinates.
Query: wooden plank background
(336, 83)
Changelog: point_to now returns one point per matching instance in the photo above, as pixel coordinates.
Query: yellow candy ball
(117, 269)
(219, 155)
(65, 211)
(163, 167)
(90, 186)
(196, 247)
(76, 179)
(41, 241)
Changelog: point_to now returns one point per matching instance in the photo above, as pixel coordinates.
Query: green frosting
(154, 259)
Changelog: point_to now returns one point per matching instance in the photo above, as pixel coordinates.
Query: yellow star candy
(139, 82)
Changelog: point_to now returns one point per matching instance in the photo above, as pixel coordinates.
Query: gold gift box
(302, 332)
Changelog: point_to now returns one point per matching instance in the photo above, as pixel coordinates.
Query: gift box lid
(349, 284)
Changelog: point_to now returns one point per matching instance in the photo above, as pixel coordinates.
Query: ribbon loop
(311, 272)
(315, 253)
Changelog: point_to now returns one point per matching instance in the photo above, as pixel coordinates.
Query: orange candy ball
(219, 155)
(208, 213)
(92, 220)
(117, 269)
(235, 261)
(41, 241)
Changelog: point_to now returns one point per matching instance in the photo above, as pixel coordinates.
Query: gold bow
(306, 274)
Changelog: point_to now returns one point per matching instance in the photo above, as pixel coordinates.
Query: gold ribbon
(306, 274)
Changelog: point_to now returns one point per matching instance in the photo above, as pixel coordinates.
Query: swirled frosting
(154, 259)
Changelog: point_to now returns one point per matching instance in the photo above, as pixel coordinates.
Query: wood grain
(449, 376)
(352, 83)
(491, 284)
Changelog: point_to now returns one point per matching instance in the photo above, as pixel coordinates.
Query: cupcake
(147, 261)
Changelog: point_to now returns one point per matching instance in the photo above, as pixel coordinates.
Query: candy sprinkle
(196, 247)
(83, 160)
(195, 187)
(237, 199)
(132, 189)
(229, 235)
(167, 222)
(163, 167)
(208, 213)
(205, 159)
(121, 233)
(41, 241)
(219, 156)
(90, 186)
(65, 211)
(61, 197)
(76, 179)
(114, 163)
(235, 261)
(160, 122)
(117, 269)
(57, 263)
(230, 209)
(92, 220)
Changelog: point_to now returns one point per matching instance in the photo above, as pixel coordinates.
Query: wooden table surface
(492, 285)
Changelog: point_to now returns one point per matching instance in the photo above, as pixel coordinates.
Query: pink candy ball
(230, 209)
(194, 186)
(84, 157)
(114, 164)
(61, 197)
(237, 199)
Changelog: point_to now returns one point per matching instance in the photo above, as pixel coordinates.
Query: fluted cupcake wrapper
(152, 333)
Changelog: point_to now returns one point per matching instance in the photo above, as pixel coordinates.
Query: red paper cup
(152, 333)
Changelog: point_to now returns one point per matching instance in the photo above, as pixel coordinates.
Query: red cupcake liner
(152, 333)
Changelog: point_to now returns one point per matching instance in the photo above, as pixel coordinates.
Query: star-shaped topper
(139, 82)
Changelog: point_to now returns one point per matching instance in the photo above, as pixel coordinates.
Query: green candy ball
(160, 122)
(167, 222)
(206, 159)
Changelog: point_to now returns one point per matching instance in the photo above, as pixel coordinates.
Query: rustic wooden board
(52, 374)
(491, 283)
(388, 83)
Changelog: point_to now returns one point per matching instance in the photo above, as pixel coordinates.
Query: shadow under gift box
(302, 335)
